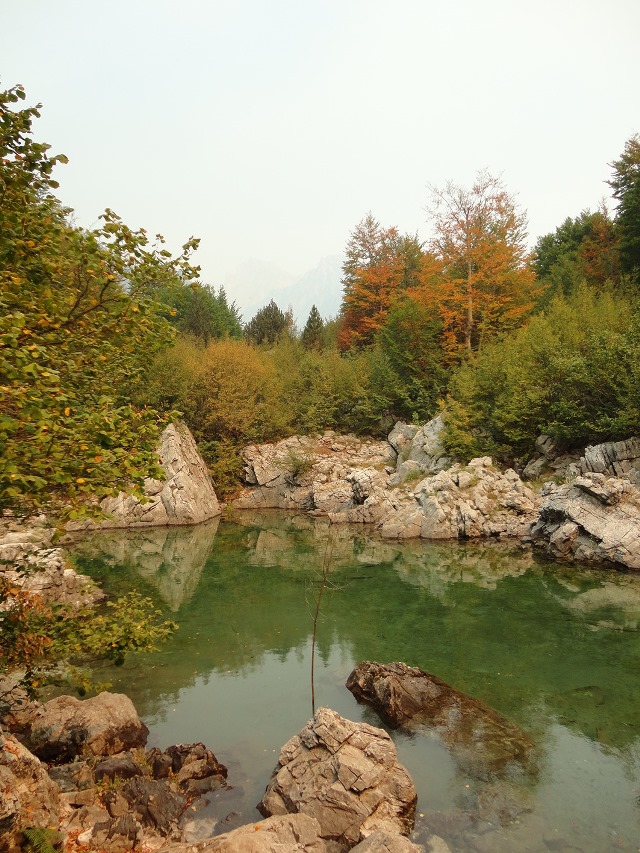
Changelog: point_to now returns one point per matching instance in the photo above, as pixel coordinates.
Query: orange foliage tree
(487, 282)
(380, 264)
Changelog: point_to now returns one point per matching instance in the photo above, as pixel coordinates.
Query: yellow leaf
(81, 480)
(67, 412)
(97, 458)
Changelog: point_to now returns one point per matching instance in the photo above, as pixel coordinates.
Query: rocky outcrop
(482, 741)
(612, 458)
(401, 487)
(28, 797)
(594, 519)
(346, 776)
(65, 728)
(184, 496)
(33, 564)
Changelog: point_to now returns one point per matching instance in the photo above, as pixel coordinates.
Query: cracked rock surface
(345, 775)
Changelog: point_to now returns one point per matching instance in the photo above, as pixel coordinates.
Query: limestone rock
(349, 481)
(66, 727)
(594, 519)
(482, 741)
(346, 775)
(185, 496)
(281, 834)
(28, 797)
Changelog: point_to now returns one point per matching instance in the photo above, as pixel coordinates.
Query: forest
(105, 335)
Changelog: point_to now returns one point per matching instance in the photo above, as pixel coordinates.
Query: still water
(555, 649)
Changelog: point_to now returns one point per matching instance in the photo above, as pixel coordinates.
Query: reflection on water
(555, 649)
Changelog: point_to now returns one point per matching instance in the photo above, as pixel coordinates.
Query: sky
(270, 128)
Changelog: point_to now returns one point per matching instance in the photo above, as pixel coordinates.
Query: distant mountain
(320, 287)
(255, 284)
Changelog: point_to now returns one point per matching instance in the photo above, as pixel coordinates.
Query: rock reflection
(171, 559)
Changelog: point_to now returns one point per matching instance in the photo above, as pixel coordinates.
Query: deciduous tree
(488, 284)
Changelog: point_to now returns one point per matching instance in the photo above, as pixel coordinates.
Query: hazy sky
(269, 128)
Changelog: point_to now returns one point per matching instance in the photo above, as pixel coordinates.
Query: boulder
(184, 496)
(482, 741)
(281, 834)
(65, 727)
(345, 775)
(28, 797)
(595, 519)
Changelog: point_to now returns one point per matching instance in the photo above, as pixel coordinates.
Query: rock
(115, 835)
(400, 438)
(40, 569)
(346, 775)
(464, 502)
(154, 804)
(117, 767)
(614, 458)
(595, 519)
(482, 741)
(185, 496)
(65, 727)
(28, 797)
(195, 768)
(281, 834)
(386, 842)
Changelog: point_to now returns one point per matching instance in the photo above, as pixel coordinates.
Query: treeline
(104, 335)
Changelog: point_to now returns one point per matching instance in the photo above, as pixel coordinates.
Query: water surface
(555, 649)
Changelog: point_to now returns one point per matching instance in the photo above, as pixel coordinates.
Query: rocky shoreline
(406, 488)
(81, 766)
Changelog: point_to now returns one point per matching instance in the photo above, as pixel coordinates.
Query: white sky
(269, 128)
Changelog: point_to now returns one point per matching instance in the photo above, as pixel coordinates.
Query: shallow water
(555, 649)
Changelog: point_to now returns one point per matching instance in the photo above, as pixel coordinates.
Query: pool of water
(556, 649)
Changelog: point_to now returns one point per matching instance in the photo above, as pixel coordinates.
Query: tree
(379, 264)
(581, 249)
(488, 284)
(313, 333)
(79, 324)
(196, 309)
(268, 324)
(625, 184)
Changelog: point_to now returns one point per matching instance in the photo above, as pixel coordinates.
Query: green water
(555, 649)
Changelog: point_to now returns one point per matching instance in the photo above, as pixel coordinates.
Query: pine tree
(312, 335)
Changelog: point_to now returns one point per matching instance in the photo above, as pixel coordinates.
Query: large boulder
(482, 741)
(345, 775)
(184, 496)
(594, 519)
(28, 797)
(65, 727)
(423, 454)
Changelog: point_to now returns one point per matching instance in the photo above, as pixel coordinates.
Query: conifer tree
(312, 335)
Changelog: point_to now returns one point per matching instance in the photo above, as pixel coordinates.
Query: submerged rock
(482, 741)
(346, 776)
(595, 519)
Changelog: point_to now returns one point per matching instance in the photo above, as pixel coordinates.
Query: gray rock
(185, 496)
(482, 741)
(346, 775)
(65, 727)
(401, 436)
(595, 519)
(28, 797)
